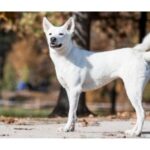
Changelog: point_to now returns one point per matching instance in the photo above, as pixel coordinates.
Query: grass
(22, 112)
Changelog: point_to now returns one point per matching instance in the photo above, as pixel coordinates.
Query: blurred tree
(82, 38)
(7, 37)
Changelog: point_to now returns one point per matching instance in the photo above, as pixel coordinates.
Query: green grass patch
(21, 112)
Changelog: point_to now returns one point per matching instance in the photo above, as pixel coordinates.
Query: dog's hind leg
(134, 89)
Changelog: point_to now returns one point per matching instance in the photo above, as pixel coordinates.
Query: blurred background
(28, 84)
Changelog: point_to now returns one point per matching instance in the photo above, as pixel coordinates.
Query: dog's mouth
(55, 45)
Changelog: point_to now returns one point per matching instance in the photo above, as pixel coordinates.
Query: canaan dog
(80, 70)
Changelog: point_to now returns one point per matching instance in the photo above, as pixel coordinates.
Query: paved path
(47, 128)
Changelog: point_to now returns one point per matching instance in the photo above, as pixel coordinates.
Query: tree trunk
(113, 96)
(82, 38)
(5, 46)
(142, 25)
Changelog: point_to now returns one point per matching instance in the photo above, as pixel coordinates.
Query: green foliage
(31, 24)
(146, 94)
(21, 112)
(9, 79)
(25, 73)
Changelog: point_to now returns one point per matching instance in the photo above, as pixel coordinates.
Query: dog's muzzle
(53, 43)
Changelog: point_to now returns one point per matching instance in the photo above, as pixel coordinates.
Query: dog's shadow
(146, 132)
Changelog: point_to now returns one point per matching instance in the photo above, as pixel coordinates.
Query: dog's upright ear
(70, 25)
(46, 24)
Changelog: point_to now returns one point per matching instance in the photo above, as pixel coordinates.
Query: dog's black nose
(53, 39)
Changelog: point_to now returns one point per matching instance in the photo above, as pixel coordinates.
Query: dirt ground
(89, 127)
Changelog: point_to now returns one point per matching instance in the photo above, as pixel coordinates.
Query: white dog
(80, 70)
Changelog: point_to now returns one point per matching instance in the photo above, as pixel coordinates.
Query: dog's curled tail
(145, 45)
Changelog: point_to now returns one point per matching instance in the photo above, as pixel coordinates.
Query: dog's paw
(133, 133)
(66, 128)
(137, 133)
(69, 128)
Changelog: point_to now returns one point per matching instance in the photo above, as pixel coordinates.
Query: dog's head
(58, 37)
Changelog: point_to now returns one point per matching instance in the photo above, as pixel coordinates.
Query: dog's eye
(61, 34)
(50, 33)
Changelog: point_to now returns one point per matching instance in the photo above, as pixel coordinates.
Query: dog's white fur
(80, 70)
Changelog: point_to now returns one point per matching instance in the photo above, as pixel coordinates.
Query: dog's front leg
(73, 96)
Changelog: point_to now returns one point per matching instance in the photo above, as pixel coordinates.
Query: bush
(9, 79)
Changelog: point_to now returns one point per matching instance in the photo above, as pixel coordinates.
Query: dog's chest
(62, 78)
(65, 74)
(62, 81)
